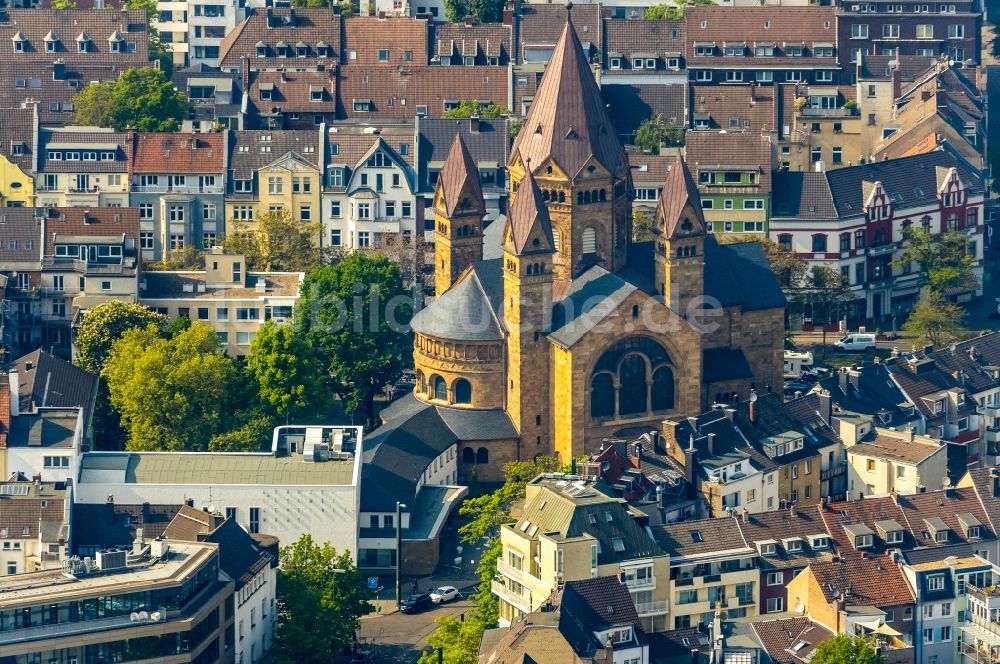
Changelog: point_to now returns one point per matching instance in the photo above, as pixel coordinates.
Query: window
(244, 338)
(145, 240)
(819, 243)
(176, 241)
(734, 76)
(929, 635)
(247, 313)
(254, 520)
(956, 31)
(274, 185)
(935, 582)
(145, 210)
(222, 314)
(870, 465)
(775, 578)
(925, 31)
(838, 155)
(859, 31)
(775, 604)
(176, 212)
(364, 239)
(703, 76)
(305, 212)
(945, 633)
(336, 238)
(889, 31)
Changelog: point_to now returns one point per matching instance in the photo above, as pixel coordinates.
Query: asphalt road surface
(399, 638)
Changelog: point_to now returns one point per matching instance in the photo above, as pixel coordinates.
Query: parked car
(416, 603)
(444, 594)
(862, 342)
(793, 386)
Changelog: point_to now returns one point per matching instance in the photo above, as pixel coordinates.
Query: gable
(290, 161)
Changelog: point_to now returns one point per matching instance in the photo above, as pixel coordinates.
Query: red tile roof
(710, 150)
(293, 92)
(91, 222)
(773, 25)
(876, 581)
(178, 153)
(67, 28)
(315, 28)
(403, 41)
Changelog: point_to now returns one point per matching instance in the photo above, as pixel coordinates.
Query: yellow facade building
(19, 136)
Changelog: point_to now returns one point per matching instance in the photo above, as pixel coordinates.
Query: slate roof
(239, 554)
(92, 222)
(480, 41)
(714, 150)
(178, 153)
(642, 38)
(713, 535)
(412, 435)
(734, 107)
(459, 181)
(877, 582)
(53, 382)
(68, 25)
(264, 147)
(869, 391)
(487, 141)
(720, 364)
(352, 147)
(466, 311)
(591, 297)
(21, 226)
(365, 36)
(395, 91)
(919, 377)
(17, 132)
(771, 418)
(108, 525)
(292, 92)
(776, 25)
(311, 26)
(594, 605)
(680, 192)
(781, 638)
(630, 104)
(803, 195)
(811, 412)
(738, 274)
(567, 121)
(79, 139)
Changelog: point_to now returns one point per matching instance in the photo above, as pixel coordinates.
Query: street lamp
(399, 547)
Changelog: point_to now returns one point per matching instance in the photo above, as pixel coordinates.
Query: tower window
(463, 391)
(589, 241)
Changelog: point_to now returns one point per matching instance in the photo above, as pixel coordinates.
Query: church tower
(459, 209)
(569, 144)
(679, 235)
(528, 251)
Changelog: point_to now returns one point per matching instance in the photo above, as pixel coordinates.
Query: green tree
(311, 3)
(936, 321)
(846, 649)
(355, 315)
(824, 293)
(63, 4)
(790, 270)
(664, 12)
(105, 324)
(188, 258)
(468, 108)
(642, 226)
(142, 99)
(274, 242)
(944, 259)
(157, 50)
(254, 436)
(655, 132)
(172, 394)
(481, 11)
(320, 599)
(288, 374)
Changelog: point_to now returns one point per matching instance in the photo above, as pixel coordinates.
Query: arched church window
(589, 241)
(586, 197)
(663, 389)
(548, 169)
(686, 225)
(545, 195)
(602, 195)
(482, 455)
(440, 388)
(421, 382)
(463, 391)
(635, 391)
(602, 396)
(579, 197)
(632, 393)
(468, 455)
(635, 311)
(562, 196)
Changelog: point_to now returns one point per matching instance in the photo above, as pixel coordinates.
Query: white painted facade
(256, 616)
(53, 464)
(194, 29)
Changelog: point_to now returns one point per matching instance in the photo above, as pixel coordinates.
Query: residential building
(225, 295)
(111, 525)
(939, 603)
(825, 129)
(75, 36)
(19, 141)
(649, 172)
(269, 38)
(571, 530)
(471, 44)
(985, 485)
(643, 52)
(733, 172)
(52, 86)
(895, 462)
(216, 96)
(82, 167)
(166, 599)
(271, 171)
(252, 569)
(814, 414)
(34, 525)
(178, 186)
(370, 188)
(630, 104)
(736, 108)
(307, 482)
(291, 100)
(193, 30)
(979, 639)
(712, 569)
(852, 220)
(791, 640)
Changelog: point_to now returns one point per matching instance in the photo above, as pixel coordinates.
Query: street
(398, 637)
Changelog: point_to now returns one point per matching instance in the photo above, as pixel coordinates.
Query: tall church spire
(459, 209)
(459, 180)
(568, 122)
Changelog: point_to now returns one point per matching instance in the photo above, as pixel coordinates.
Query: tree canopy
(468, 108)
(274, 242)
(172, 393)
(664, 12)
(655, 132)
(846, 649)
(355, 315)
(142, 99)
(642, 226)
(944, 260)
(481, 11)
(105, 324)
(320, 597)
(936, 321)
(188, 258)
(289, 379)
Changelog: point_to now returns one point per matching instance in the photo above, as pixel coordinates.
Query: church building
(577, 334)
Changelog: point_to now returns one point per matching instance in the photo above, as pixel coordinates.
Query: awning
(887, 631)
(267, 87)
(822, 44)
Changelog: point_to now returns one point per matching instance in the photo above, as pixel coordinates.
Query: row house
(643, 52)
(34, 526)
(852, 220)
(471, 44)
(291, 100)
(216, 96)
(296, 38)
(571, 530)
(888, 461)
(649, 172)
(193, 30)
(979, 637)
(927, 29)
(178, 188)
(52, 86)
(18, 154)
(82, 167)
(733, 174)
(74, 36)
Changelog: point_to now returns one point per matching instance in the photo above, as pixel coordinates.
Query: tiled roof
(90, 222)
(28, 82)
(641, 38)
(783, 525)
(871, 392)
(170, 285)
(68, 28)
(649, 170)
(18, 136)
(877, 582)
(742, 107)
(593, 605)
(189, 523)
(529, 220)
(45, 380)
(313, 27)
(542, 24)
(949, 506)
(110, 524)
(568, 122)
(895, 448)
(987, 488)
(24, 229)
(249, 151)
(402, 40)
(774, 25)
(771, 418)
(79, 140)
(293, 92)
(920, 377)
(782, 638)
(178, 153)
(40, 510)
(486, 140)
(630, 104)
(713, 149)
(393, 91)
(875, 67)
(481, 41)
(803, 195)
(691, 538)
(680, 193)
(458, 181)
(354, 146)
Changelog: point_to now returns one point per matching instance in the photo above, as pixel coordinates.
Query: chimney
(791, 510)
(270, 17)
(729, 413)
(909, 433)
(753, 407)
(842, 379)
(508, 17)
(897, 81)
(468, 21)
(711, 443)
(138, 543)
(745, 515)
(894, 496)
(474, 124)
(291, 17)
(822, 504)
(689, 463)
(609, 652)
(638, 455)
(15, 393)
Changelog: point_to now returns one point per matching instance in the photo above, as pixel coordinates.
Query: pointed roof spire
(680, 193)
(459, 181)
(529, 229)
(568, 121)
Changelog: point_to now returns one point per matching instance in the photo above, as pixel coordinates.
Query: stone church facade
(577, 334)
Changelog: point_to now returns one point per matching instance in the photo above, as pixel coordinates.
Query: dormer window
(261, 50)
(819, 541)
(938, 529)
(860, 534)
(862, 541)
(282, 49)
(115, 42)
(768, 548)
(83, 42)
(935, 582)
(971, 525)
(301, 50)
(894, 537)
(266, 92)
(616, 63)
(315, 93)
(20, 43)
(51, 42)
(322, 50)
(793, 545)
(650, 63)
(637, 63)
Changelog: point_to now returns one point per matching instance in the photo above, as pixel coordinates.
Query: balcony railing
(843, 112)
(83, 190)
(519, 602)
(518, 575)
(651, 608)
(86, 267)
(837, 470)
(640, 584)
(184, 189)
(989, 594)
(63, 630)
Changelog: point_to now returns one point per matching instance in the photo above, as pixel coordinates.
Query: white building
(34, 526)
(308, 483)
(896, 462)
(194, 29)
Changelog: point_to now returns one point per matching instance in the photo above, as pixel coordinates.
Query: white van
(797, 363)
(857, 341)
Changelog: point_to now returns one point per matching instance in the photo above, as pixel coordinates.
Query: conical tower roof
(529, 229)
(680, 193)
(458, 182)
(568, 121)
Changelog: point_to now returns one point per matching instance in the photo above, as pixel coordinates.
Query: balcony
(522, 577)
(651, 608)
(838, 470)
(184, 189)
(843, 112)
(83, 190)
(63, 630)
(519, 602)
(85, 267)
(989, 595)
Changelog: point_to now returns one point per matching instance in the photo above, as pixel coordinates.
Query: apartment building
(268, 39)
(570, 530)
(733, 173)
(980, 640)
(178, 186)
(644, 52)
(34, 526)
(941, 598)
(158, 600)
(225, 295)
(82, 167)
(825, 130)
(896, 462)
(291, 100)
(18, 152)
(852, 220)
(193, 30)
(40, 380)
